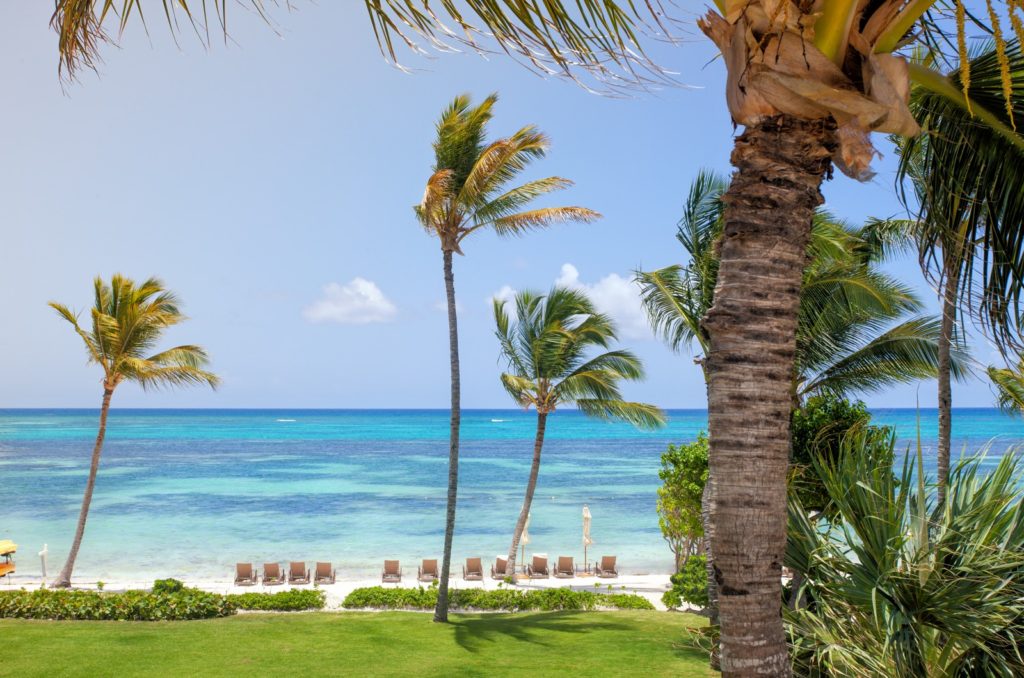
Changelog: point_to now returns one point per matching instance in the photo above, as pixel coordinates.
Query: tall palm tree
(809, 81)
(548, 348)
(968, 185)
(128, 320)
(468, 192)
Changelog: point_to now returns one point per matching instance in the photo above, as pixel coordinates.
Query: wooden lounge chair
(297, 573)
(500, 569)
(538, 569)
(565, 569)
(325, 574)
(245, 575)
(473, 570)
(272, 574)
(392, 573)
(428, 571)
(607, 567)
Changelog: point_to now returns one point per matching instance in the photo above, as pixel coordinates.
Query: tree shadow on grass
(472, 633)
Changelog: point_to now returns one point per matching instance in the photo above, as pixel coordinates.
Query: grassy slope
(392, 643)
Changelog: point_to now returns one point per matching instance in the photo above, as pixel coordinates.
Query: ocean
(187, 493)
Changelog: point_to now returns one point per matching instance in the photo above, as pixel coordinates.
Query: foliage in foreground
(689, 585)
(169, 600)
(128, 606)
(510, 600)
(683, 474)
(899, 588)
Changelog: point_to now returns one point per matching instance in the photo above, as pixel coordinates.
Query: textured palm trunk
(707, 510)
(64, 578)
(945, 390)
(531, 485)
(441, 611)
(780, 164)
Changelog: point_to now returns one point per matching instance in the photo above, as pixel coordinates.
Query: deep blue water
(190, 492)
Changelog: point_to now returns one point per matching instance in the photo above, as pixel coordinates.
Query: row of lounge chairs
(473, 570)
(298, 574)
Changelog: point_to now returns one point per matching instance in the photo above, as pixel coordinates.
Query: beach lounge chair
(538, 569)
(245, 575)
(272, 574)
(428, 571)
(297, 573)
(473, 570)
(392, 573)
(565, 569)
(500, 569)
(325, 574)
(607, 567)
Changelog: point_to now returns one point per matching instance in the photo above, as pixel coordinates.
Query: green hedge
(689, 585)
(283, 601)
(510, 600)
(128, 606)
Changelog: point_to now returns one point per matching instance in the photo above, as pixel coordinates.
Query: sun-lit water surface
(187, 493)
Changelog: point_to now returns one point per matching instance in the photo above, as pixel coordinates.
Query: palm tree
(547, 347)
(469, 192)
(809, 82)
(127, 322)
(968, 184)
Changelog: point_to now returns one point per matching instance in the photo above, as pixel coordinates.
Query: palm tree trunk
(64, 578)
(780, 165)
(707, 511)
(531, 485)
(441, 611)
(945, 391)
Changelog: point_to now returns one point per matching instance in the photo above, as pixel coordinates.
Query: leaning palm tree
(809, 81)
(127, 321)
(968, 185)
(548, 348)
(469, 192)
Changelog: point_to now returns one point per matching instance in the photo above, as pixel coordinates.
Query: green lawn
(387, 643)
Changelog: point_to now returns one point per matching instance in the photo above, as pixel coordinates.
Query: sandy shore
(650, 586)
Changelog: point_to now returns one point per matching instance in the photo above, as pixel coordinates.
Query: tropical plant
(809, 82)
(968, 184)
(468, 192)
(1009, 383)
(127, 321)
(689, 584)
(548, 346)
(683, 474)
(921, 589)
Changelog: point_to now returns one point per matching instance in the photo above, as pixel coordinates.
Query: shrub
(689, 585)
(508, 600)
(128, 606)
(283, 601)
(684, 472)
(167, 586)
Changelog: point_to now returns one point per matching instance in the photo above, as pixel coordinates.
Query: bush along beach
(504, 600)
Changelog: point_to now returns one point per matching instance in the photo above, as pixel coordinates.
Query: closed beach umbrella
(587, 541)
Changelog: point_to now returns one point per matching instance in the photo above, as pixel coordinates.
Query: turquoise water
(187, 493)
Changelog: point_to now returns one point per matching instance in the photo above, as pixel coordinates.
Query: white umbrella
(524, 539)
(587, 541)
(42, 556)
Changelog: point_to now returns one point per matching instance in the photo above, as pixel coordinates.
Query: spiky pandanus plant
(469, 191)
(127, 321)
(548, 346)
(809, 81)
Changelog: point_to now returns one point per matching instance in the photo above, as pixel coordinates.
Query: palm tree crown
(468, 190)
(127, 321)
(548, 347)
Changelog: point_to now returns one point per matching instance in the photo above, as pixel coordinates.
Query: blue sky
(270, 182)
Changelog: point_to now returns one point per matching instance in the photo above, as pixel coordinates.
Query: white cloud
(506, 293)
(360, 302)
(612, 295)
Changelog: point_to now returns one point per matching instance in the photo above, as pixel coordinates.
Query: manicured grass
(630, 643)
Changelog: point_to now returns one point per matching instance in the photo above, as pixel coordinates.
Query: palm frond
(671, 309)
(1009, 385)
(545, 217)
(640, 415)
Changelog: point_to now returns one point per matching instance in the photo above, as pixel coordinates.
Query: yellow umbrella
(587, 541)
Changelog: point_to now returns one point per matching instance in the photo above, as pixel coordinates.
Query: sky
(269, 181)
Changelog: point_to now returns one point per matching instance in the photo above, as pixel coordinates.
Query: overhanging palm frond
(968, 176)
(640, 415)
(518, 224)
(671, 309)
(1009, 388)
(903, 354)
